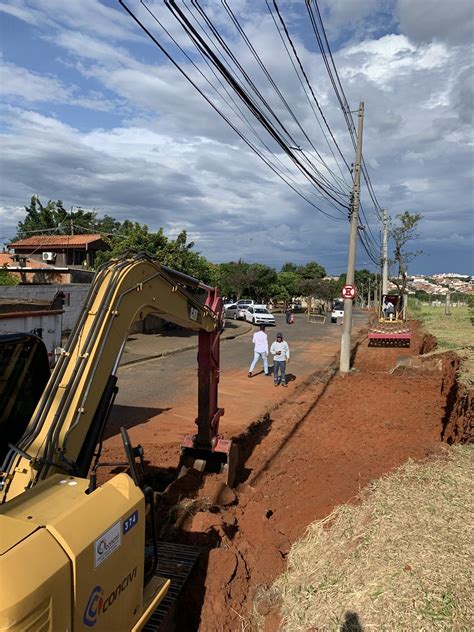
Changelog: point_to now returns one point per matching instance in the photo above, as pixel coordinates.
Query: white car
(337, 311)
(258, 315)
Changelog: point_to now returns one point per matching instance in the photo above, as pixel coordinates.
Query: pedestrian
(390, 311)
(289, 315)
(281, 356)
(260, 350)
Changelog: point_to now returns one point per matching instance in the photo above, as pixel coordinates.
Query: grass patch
(453, 333)
(400, 560)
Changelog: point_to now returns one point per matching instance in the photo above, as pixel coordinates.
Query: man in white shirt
(281, 356)
(260, 350)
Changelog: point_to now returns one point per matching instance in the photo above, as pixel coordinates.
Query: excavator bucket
(221, 458)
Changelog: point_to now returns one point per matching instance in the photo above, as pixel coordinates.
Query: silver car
(232, 311)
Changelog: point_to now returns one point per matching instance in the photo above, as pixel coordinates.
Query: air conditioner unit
(49, 256)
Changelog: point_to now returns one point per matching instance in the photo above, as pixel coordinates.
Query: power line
(307, 80)
(340, 96)
(215, 108)
(244, 96)
(272, 82)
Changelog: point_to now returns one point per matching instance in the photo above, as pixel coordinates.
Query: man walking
(281, 356)
(260, 350)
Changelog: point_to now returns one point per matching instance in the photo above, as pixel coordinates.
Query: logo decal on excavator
(97, 604)
(107, 544)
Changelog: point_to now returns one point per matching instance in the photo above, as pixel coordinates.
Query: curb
(165, 353)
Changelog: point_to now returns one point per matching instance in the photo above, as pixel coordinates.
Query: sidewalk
(142, 347)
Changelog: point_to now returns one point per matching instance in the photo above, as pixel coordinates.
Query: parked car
(337, 311)
(258, 315)
(243, 302)
(232, 311)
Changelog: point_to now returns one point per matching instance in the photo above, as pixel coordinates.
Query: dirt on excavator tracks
(311, 452)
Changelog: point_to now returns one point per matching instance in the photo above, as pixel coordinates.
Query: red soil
(313, 452)
(309, 453)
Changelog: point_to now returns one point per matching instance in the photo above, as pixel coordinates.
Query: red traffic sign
(349, 291)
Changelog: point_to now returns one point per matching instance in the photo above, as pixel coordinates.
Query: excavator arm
(65, 426)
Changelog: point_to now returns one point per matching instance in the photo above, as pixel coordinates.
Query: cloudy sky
(95, 115)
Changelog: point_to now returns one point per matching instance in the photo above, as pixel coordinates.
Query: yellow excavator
(75, 555)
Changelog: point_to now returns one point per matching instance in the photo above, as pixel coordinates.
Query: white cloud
(35, 88)
(385, 59)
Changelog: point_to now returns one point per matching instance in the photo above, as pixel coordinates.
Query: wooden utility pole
(385, 254)
(344, 364)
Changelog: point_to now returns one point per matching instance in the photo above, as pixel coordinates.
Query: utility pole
(344, 363)
(385, 254)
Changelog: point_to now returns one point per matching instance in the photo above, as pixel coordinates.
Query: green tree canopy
(6, 278)
(54, 217)
(312, 270)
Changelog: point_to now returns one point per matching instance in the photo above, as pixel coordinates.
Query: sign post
(349, 291)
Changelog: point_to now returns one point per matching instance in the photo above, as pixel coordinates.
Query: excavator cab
(24, 372)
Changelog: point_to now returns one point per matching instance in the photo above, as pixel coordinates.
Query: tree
(312, 270)
(289, 267)
(291, 282)
(260, 280)
(402, 233)
(6, 278)
(53, 217)
(233, 278)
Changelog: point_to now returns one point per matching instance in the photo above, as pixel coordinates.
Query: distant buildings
(60, 250)
(442, 284)
(53, 258)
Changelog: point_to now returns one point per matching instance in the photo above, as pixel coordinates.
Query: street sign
(349, 291)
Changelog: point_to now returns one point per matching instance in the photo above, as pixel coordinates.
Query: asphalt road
(157, 399)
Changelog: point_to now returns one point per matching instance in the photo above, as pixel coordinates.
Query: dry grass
(402, 559)
(453, 333)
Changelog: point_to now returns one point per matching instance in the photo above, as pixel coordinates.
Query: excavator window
(24, 372)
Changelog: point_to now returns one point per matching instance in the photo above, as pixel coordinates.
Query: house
(31, 271)
(60, 250)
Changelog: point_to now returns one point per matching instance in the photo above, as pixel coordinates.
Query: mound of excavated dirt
(313, 452)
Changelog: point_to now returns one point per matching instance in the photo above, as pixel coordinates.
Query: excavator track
(176, 562)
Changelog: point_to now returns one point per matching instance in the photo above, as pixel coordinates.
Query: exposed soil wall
(313, 452)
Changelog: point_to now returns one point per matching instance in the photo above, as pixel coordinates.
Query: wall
(47, 325)
(76, 294)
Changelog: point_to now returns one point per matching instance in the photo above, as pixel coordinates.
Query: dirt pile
(301, 460)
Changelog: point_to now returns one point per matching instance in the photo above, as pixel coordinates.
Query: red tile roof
(55, 241)
(8, 260)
